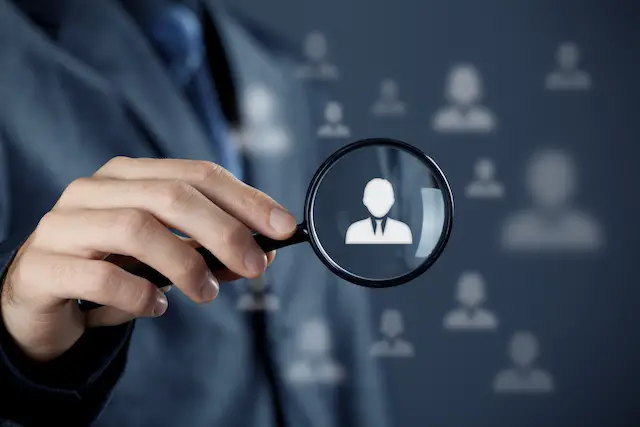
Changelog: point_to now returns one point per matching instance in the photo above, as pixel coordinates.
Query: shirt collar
(374, 223)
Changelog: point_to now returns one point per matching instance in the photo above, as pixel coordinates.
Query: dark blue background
(582, 308)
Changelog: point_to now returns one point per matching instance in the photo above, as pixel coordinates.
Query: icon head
(471, 289)
(259, 103)
(333, 112)
(315, 46)
(551, 179)
(389, 90)
(391, 324)
(378, 197)
(568, 56)
(464, 86)
(484, 169)
(523, 349)
(314, 338)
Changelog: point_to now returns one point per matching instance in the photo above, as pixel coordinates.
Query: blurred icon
(523, 377)
(333, 127)
(567, 76)
(464, 114)
(378, 229)
(262, 133)
(317, 66)
(388, 103)
(315, 363)
(484, 185)
(432, 221)
(551, 224)
(470, 315)
(392, 344)
(258, 299)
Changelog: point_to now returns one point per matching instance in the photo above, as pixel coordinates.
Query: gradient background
(582, 307)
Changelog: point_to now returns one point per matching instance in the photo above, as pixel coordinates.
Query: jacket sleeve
(72, 389)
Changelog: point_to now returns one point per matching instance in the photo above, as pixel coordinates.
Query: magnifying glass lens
(380, 214)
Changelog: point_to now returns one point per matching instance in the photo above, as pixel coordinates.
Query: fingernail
(255, 262)
(282, 221)
(165, 289)
(161, 304)
(210, 287)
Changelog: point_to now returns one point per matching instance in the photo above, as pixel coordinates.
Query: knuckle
(191, 267)
(61, 272)
(175, 195)
(105, 278)
(142, 300)
(114, 163)
(132, 223)
(45, 224)
(109, 281)
(235, 235)
(48, 220)
(75, 186)
(256, 203)
(204, 171)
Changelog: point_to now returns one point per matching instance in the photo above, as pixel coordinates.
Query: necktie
(176, 32)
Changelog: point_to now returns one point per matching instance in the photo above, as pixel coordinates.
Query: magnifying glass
(398, 208)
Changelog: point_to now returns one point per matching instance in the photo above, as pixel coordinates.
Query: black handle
(147, 272)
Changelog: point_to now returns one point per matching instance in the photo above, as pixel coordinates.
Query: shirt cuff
(76, 370)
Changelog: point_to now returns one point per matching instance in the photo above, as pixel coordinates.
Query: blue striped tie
(176, 33)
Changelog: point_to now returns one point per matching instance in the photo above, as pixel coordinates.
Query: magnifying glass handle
(147, 272)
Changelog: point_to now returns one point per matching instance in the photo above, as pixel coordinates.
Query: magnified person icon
(379, 228)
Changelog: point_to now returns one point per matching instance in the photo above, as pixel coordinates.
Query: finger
(109, 316)
(255, 209)
(91, 233)
(230, 276)
(50, 278)
(180, 206)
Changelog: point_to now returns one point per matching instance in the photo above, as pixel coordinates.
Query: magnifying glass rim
(441, 182)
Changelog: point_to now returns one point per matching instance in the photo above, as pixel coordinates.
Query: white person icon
(379, 228)
(263, 132)
(568, 76)
(552, 224)
(392, 344)
(315, 363)
(524, 377)
(258, 298)
(388, 103)
(464, 113)
(333, 126)
(317, 66)
(470, 315)
(484, 185)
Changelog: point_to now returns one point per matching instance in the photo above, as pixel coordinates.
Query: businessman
(117, 124)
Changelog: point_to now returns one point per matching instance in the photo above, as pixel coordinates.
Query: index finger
(252, 207)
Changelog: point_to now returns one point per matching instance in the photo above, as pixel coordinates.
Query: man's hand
(126, 208)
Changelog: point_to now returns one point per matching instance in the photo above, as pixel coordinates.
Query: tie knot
(177, 34)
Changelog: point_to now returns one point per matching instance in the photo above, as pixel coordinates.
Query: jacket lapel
(105, 37)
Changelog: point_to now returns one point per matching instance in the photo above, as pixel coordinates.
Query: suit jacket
(98, 91)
